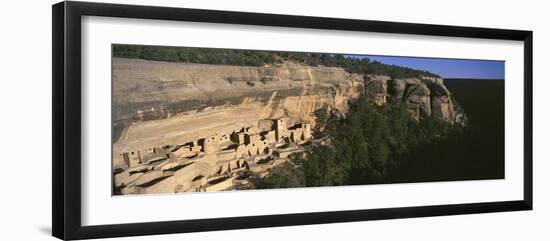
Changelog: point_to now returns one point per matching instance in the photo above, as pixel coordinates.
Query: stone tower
(280, 130)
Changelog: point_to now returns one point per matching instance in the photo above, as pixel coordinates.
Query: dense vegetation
(383, 145)
(367, 146)
(260, 58)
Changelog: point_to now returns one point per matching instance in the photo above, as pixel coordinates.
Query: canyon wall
(181, 127)
(424, 97)
(151, 90)
(144, 90)
(163, 103)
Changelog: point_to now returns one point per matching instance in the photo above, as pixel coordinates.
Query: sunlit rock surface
(193, 127)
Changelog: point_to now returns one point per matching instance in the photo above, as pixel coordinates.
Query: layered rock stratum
(163, 104)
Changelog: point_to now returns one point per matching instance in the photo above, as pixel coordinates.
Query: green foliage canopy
(367, 146)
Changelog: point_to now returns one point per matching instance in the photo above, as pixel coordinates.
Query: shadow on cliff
(478, 153)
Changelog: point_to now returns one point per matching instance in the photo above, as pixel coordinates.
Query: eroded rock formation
(194, 127)
(426, 96)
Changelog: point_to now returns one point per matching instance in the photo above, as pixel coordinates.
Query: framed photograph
(171, 120)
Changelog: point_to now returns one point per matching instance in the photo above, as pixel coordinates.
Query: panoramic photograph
(188, 119)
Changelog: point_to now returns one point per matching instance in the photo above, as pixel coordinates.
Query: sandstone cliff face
(424, 97)
(151, 90)
(193, 127)
(222, 95)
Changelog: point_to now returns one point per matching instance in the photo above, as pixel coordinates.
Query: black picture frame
(66, 128)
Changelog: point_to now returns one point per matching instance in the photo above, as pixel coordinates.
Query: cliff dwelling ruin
(181, 127)
(213, 163)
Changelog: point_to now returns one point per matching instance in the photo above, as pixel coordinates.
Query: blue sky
(446, 68)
